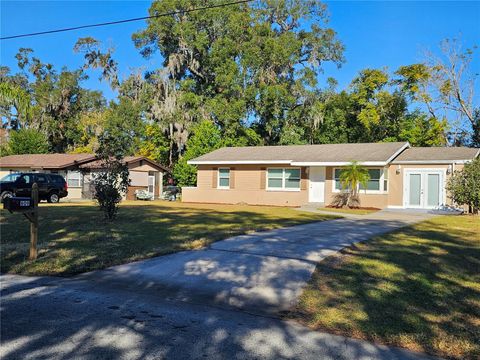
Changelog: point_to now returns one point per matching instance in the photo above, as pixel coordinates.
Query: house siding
(366, 200)
(248, 181)
(396, 191)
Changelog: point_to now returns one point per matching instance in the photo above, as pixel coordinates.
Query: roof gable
(97, 164)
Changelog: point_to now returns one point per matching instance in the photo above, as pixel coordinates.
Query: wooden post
(34, 224)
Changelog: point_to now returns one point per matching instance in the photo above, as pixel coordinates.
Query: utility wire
(125, 21)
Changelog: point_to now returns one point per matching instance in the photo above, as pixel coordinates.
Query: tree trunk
(170, 150)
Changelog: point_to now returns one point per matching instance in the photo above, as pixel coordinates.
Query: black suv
(51, 187)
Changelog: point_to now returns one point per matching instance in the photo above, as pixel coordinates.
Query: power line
(126, 20)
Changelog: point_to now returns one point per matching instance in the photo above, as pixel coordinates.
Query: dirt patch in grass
(417, 288)
(74, 238)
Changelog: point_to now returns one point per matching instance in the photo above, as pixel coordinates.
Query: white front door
(316, 191)
(151, 184)
(424, 188)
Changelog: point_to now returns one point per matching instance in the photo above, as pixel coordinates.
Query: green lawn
(417, 288)
(74, 238)
(349, 211)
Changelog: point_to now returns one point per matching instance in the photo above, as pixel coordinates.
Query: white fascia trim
(431, 162)
(399, 151)
(339, 163)
(235, 162)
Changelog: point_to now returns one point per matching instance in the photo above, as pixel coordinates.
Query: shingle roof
(97, 164)
(441, 154)
(61, 161)
(43, 161)
(326, 153)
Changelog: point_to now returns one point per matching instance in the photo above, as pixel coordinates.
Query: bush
(113, 179)
(109, 186)
(464, 186)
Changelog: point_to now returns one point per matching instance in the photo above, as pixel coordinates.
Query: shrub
(464, 186)
(112, 181)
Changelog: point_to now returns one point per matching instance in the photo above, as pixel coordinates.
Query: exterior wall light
(449, 169)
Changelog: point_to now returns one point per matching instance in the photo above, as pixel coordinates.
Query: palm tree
(351, 177)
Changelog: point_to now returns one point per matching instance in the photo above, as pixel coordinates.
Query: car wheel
(6, 194)
(53, 198)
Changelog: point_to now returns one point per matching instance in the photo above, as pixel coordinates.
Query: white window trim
(283, 188)
(80, 179)
(218, 178)
(381, 181)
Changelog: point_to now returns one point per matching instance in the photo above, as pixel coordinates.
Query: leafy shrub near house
(464, 186)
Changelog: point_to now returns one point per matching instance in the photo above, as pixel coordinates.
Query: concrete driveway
(263, 273)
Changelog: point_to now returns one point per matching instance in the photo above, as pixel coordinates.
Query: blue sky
(376, 34)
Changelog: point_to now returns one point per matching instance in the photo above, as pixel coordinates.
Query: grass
(417, 288)
(359, 211)
(74, 238)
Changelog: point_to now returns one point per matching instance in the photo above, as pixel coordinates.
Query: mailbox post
(33, 217)
(29, 208)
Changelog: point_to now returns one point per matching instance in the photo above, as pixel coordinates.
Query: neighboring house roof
(436, 155)
(44, 161)
(63, 161)
(305, 155)
(97, 164)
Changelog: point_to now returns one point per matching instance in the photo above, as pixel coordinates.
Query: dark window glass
(374, 182)
(41, 179)
(26, 179)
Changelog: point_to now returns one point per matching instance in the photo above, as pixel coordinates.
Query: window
(378, 180)
(11, 177)
(283, 179)
(26, 179)
(224, 178)
(385, 179)
(275, 178)
(292, 178)
(74, 179)
(374, 181)
(41, 179)
(338, 183)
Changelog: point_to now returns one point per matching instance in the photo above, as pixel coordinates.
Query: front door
(423, 189)
(316, 191)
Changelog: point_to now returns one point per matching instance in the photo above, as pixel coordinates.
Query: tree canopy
(246, 74)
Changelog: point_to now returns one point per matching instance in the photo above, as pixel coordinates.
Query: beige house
(400, 176)
(78, 170)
